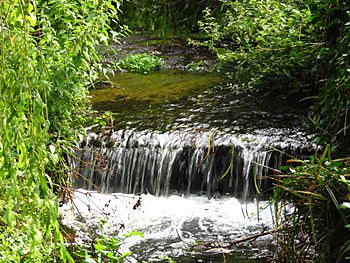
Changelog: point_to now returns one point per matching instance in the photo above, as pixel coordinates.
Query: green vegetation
(302, 45)
(290, 43)
(141, 63)
(261, 39)
(319, 189)
(104, 249)
(164, 17)
(330, 114)
(47, 59)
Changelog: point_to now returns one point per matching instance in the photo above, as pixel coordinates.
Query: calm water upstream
(173, 100)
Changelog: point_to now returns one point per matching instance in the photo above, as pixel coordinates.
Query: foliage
(164, 17)
(261, 39)
(200, 66)
(141, 63)
(291, 43)
(306, 43)
(105, 249)
(319, 189)
(47, 57)
(330, 114)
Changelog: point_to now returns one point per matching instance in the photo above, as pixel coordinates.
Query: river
(196, 154)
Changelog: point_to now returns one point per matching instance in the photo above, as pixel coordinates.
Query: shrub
(47, 58)
(260, 39)
(318, 229)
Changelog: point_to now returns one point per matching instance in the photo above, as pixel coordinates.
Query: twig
(232, 243)
(253, 237)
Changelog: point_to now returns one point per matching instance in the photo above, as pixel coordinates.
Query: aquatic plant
(141, 63)
(47, 58)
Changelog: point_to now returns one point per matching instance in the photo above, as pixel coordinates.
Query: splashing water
(173, 226)
(188, 154)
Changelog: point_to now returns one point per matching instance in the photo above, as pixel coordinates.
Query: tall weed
(47, 57)
(317, 230)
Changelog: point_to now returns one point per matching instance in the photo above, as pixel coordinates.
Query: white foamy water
(171, 225)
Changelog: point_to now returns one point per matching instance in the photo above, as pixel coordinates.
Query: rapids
(173, 226)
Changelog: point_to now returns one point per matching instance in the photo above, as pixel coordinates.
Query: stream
(193, 154)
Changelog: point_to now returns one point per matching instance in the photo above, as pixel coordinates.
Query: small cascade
(210, 162)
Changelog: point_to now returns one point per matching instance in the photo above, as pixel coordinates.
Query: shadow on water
(169, 100)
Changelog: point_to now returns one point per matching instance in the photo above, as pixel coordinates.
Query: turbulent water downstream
(189, 146)
(174, 226)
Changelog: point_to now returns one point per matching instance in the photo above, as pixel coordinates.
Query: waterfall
(208, 162)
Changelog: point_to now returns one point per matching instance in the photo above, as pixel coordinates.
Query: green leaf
(99, 247)
(284, 168)
(134, 233)
(32, 19)
(126, 254)
(345, 205)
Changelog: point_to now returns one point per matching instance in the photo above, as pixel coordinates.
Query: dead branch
(232, 243)
(254, 237)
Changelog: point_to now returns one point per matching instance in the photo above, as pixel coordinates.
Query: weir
(184, 133)
(184, 162)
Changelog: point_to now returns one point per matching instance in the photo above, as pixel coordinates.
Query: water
(174, 100)
(178, 132)
(183, 162)
(174, 225)
(198, 154)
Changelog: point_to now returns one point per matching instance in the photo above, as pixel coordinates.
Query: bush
(330, 115)
(318, 229)
(47, 58)
(261, 39)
